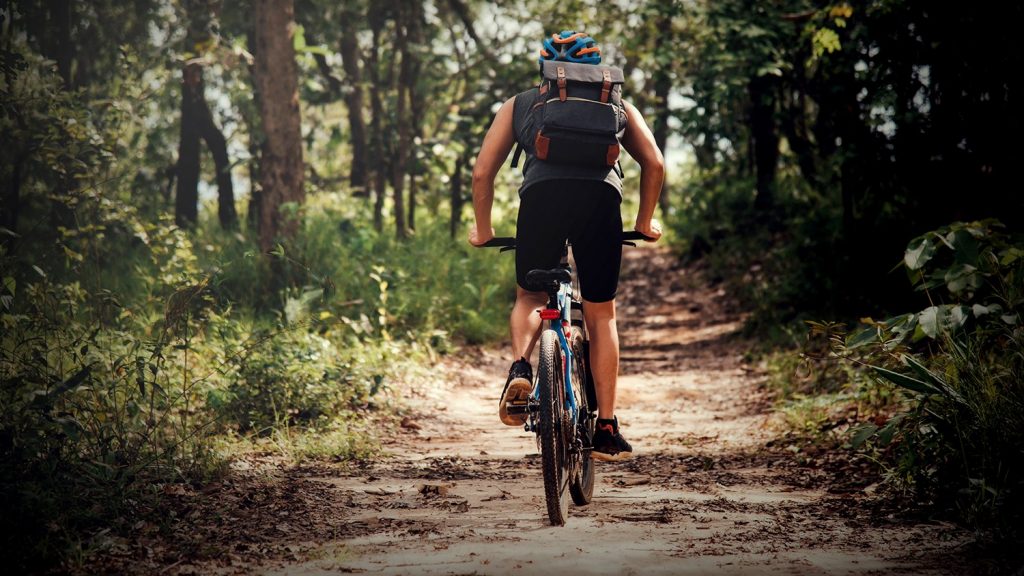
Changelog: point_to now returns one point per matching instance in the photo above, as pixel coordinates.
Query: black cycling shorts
(586, 212)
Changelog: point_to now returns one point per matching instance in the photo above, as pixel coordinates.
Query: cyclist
(578, 203)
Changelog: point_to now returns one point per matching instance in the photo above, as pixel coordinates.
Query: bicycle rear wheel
(582, 486)
(554, 458)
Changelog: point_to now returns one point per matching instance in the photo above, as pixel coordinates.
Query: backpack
(578, 117)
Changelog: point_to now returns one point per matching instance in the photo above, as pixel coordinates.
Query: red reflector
(548, 314)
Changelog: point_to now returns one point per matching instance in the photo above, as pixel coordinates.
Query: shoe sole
(517, 393)
(603, 457)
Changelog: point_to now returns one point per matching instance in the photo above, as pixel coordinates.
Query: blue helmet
(570, 46)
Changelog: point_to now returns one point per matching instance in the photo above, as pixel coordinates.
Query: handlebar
(509, 243)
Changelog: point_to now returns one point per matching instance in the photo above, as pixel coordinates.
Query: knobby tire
(582, 486)
(552, 447)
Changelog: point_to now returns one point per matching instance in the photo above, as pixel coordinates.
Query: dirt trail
(462, 494)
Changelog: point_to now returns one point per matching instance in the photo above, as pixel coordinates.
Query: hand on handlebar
(652, 230)
(477, 239)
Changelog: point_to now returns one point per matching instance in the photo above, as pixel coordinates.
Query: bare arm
(497, 143)
(639, 142)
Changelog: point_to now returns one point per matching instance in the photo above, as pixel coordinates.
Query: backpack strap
(517, 154)
(606, 87)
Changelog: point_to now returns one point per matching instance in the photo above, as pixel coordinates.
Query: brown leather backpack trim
(606, 88)
(540, 146)
(613, 154)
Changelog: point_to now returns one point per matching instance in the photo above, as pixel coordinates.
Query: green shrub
(781, 263)
(425, 287)
(960, 363)
(94, 409)
(294, 378)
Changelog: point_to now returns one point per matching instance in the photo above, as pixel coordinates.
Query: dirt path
(462, 494)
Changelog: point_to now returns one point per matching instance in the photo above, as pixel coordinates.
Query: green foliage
(429, 288)
(95, 407)
(960, 364)
(783, 267)
(295, 378)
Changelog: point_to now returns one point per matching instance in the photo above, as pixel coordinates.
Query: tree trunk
(276, 79)
(186, 198)
(416, 103)
(354, 102)
(376, 122)
(398, 167)
(218, 146)
(765, 139)
(251, 117)
(197, 122)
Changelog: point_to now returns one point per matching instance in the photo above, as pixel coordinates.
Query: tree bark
(186, 198)
(766, 139)
(218, 146)
(398, 167)
(281, 169)
(252, 215)
(415, 28)
(377, 120)
(354, 103)
(197, 123)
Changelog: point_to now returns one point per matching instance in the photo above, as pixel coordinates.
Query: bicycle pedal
(520, 408)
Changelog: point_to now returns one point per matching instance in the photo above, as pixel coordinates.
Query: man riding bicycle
(564, 201)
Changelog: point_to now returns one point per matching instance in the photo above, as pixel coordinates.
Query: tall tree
(354, 98)
(197, 123)
(404, 15)
(416, 103)
(276, 79)
(378, 164)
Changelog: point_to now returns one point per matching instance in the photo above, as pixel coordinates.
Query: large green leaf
(904, 381)
(962, 276)
(930, 320)
(934, 380)
(862, 337)
(965, 246)
(862, 433)
(919, 252)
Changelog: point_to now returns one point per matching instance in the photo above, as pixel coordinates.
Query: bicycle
(562, 410)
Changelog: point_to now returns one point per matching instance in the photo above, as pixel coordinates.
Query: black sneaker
(517, 392)
(609, 445)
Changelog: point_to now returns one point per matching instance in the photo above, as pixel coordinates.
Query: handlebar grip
(500, 242)
(628, 237)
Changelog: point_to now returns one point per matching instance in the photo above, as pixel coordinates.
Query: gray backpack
(578, 117)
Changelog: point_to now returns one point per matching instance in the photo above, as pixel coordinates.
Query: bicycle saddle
(545, 277)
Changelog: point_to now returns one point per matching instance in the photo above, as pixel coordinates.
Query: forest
(238, 228)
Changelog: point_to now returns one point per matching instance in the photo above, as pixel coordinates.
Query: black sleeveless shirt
(535, 170)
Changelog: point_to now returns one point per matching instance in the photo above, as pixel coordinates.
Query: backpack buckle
(561, 83)
(606, 88)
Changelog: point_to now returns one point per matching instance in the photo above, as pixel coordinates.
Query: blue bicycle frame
(561, 324)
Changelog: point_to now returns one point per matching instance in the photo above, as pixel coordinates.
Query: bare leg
(525, 322)
(604, 353)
